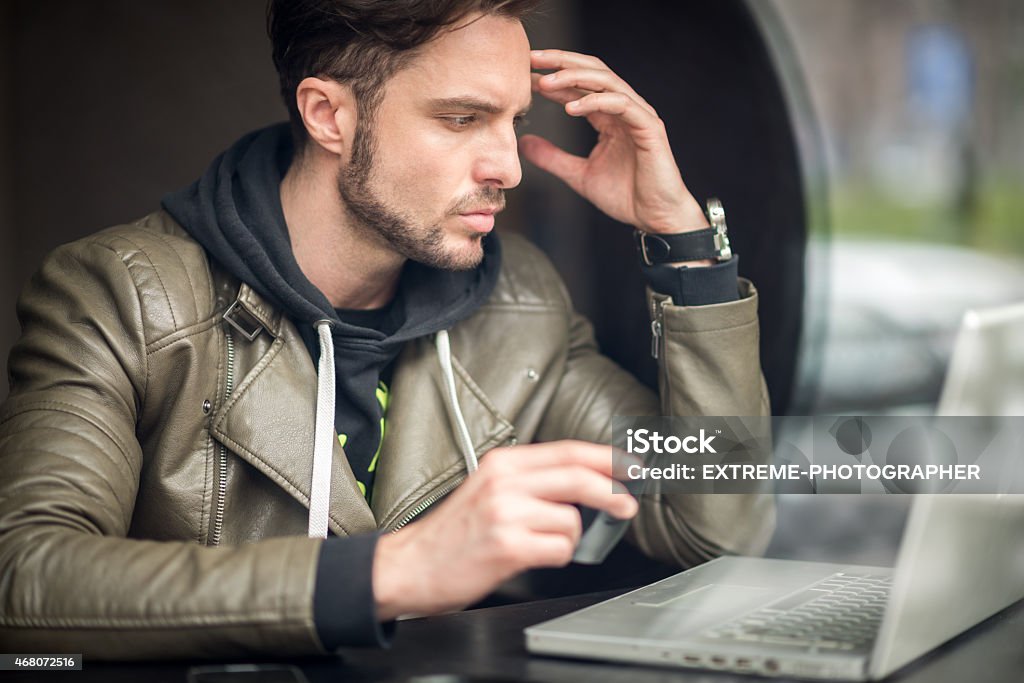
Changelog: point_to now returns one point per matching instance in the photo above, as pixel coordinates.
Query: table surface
(487, 645)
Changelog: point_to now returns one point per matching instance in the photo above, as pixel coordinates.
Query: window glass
(911, 120)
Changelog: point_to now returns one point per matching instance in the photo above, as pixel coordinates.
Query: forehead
(486, 57)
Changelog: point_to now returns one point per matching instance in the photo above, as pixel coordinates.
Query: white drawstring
(444, 354)
(323, 443)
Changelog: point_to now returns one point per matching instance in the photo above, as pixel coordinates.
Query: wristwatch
(696, 245)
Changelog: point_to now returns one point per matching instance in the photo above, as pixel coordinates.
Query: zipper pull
(655, 330)
(655, 338)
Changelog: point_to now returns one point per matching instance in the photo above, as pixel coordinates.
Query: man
(217, 410)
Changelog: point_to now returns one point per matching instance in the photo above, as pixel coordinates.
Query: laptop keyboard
(841, 612)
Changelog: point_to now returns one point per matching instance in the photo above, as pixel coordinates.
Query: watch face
(716, 213)
(716, 216)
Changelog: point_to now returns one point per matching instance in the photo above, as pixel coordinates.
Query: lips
(480, 220)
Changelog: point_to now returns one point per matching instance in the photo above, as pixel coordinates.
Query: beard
(375, 218)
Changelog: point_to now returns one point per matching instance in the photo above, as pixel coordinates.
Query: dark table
(488, 643)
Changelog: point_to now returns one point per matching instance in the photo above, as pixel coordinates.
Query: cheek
(420, 181)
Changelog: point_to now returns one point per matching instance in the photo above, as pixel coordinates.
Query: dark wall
(108, 104)
(8, 249)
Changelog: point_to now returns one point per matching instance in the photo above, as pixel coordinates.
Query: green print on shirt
(382, 398)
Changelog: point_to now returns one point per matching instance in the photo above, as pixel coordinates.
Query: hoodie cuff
(344, 610)
(715, 284)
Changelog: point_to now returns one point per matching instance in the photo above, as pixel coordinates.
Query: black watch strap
(695, 245)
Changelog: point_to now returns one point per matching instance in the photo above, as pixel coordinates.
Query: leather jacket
(155, 461)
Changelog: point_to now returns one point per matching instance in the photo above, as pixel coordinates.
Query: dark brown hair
(361, 42)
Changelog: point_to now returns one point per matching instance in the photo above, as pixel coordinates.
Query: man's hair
(361, 42)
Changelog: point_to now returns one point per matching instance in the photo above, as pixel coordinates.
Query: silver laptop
(986, 373)
(961, 560)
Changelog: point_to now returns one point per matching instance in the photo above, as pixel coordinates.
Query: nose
(498, 163)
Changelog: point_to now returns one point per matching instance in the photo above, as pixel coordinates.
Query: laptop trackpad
(718, 597)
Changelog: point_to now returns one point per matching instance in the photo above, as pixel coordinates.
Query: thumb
(556, 161)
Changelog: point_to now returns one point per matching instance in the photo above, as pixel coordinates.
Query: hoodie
(234, 211)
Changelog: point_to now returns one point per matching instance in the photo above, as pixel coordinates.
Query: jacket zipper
(657, 347)
(222, 451)
(656, 329)
(437, 495)
(428, 501)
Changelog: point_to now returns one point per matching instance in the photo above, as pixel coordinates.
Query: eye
(520, 122)
(459, 122)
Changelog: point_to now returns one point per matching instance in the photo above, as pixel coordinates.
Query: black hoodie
(234, 211)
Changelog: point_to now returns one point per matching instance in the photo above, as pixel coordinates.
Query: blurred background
(919, 113)
(869, 153)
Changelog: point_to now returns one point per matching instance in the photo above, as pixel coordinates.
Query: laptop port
(742, 663)
(771, 665)
(718, 661)
(693, 660)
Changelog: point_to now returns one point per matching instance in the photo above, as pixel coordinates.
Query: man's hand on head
(514, 513)
(631, 174)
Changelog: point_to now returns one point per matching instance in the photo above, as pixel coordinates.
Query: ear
(328, 110)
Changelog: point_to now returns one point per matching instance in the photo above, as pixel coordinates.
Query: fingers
(578, 484)
(568, 168)
(550, 550)
(552, 454)
(544, 517)
(563, 59)
(560, 95)
(559, 472)
(520, 549)
(615, 104)
(586, 86)
(561, 85)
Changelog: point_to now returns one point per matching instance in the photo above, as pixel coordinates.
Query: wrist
(687, 219)
(695, 247)
(392, 593)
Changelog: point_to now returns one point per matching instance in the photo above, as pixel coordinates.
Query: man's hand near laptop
(514, 513)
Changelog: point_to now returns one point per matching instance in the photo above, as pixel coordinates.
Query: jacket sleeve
(70, 579)
(709, 365)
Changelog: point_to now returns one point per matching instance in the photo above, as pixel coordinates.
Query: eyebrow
(473, 104)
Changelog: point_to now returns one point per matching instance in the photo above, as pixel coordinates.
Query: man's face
(428, 174)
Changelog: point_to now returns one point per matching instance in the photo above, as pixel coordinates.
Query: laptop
(986, 372)
(961, 560)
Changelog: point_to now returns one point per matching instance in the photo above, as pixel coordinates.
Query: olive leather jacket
(156, 463)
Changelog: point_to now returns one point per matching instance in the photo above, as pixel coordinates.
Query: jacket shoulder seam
(156, 271)
(188, 276)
